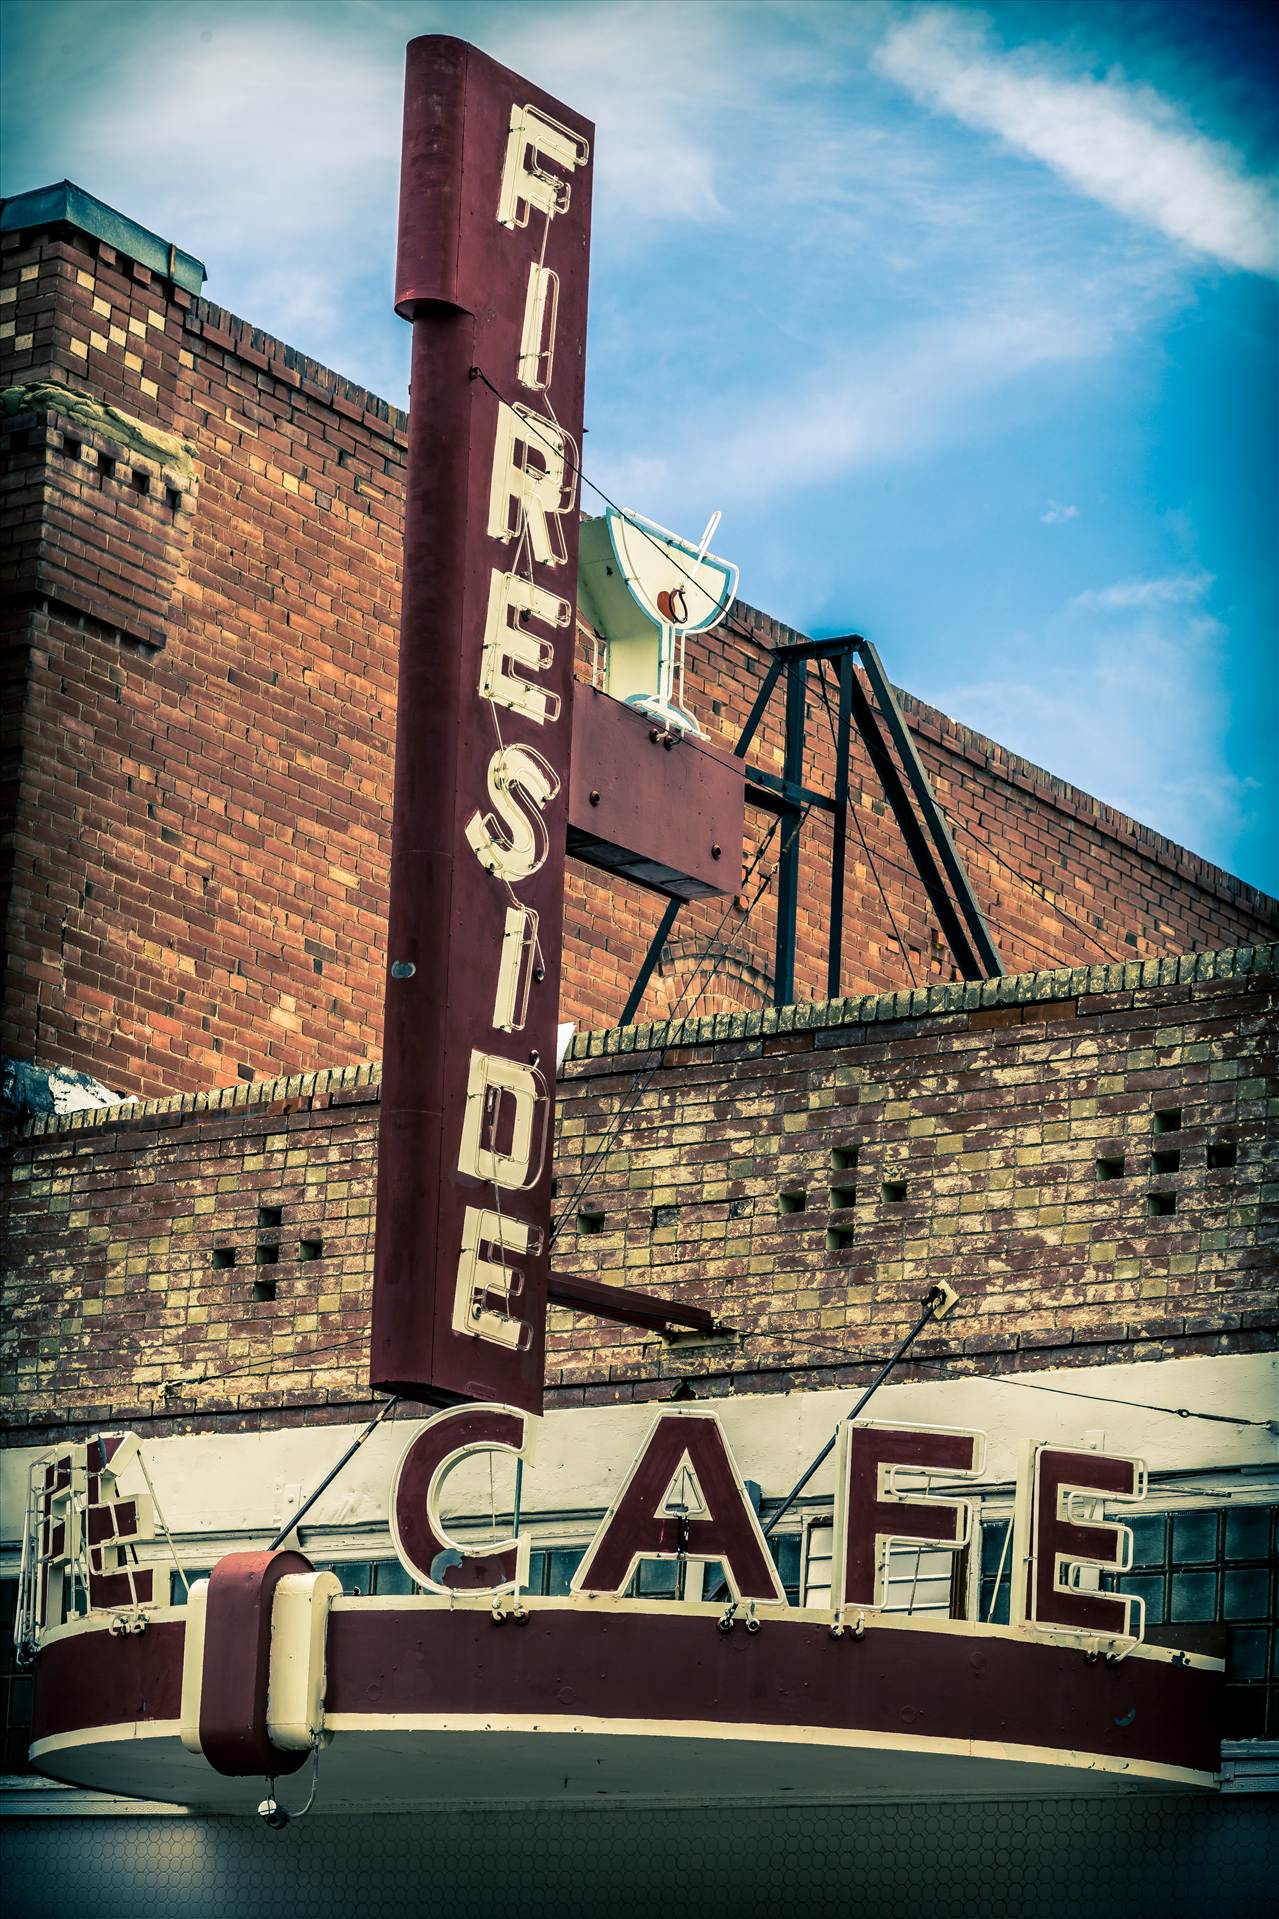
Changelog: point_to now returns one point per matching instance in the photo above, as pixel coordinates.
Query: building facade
(200, 611)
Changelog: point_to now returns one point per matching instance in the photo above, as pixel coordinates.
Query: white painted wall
(242, 1485)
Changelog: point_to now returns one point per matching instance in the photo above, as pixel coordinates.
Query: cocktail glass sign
(682, 588)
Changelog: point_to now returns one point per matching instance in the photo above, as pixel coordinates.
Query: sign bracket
(870, 704)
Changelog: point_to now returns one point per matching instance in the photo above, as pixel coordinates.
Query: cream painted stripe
(127, 1732)
(721, 1730)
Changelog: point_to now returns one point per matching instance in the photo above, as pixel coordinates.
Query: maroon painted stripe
(91, 1679)
(663, 1668)
(653, 1667)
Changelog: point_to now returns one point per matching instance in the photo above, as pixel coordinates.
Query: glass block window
(15, 1689)
(920, 1579)
(1206, 1576)
(551, 1569)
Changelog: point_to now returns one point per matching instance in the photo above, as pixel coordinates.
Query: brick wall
(199, 620)
(1084, 1155)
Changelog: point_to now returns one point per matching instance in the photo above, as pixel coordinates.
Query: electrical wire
(252, 1366)
(961, 826)
(734, 626)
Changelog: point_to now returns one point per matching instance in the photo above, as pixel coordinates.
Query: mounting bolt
(716, 851)
(594, 797)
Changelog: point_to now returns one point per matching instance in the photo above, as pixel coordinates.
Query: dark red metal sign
(492, 272)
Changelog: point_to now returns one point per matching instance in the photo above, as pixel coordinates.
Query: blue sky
(964, 316)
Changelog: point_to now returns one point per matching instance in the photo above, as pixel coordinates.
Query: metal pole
(932, 1301)
(354, 1447)
(651, 958)
(788, 862)
(839, 827)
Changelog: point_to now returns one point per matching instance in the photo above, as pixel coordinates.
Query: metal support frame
(630, 1307)
(882, 727)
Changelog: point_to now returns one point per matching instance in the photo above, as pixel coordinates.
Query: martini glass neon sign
(682, 588)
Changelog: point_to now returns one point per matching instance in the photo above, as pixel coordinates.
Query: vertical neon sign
(492, 272)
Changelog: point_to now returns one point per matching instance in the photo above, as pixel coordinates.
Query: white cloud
(903, 395)
(1056, 513)
(1130, 707)
(1172, 589)
(1123, 145)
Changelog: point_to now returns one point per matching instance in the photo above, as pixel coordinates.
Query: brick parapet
(996, 1114)
(198, 841)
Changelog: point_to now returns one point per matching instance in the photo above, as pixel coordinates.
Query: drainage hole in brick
(310, 1248)
(173, 498)
(264, 1289)
(1159, 1205)
(841, 1196)
(1168, 1120)
(106, 467)
(224, 1255)
(665, 1216)
(1111, 1167)
(843, 1159)
(1223, 1152)
(1165, 1162)
(270, 1215)
(590, 1220)
(838, 1238)
(267, 1254)
(793, 1201)
(893, 1191)
(72, 448)
(141, 482)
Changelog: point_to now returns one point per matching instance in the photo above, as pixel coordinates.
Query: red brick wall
(990, 1107)
(198, 828)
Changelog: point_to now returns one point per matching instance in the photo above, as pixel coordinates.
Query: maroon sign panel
(492, 269)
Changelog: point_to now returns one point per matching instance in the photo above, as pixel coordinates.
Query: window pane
(992, 1545)
(392, 1578)
(1000, 1615)
(1148, 1544)
(1194, 1596)
(1149, 1587)
(177, 1591)
(1246, 1658)
(563, 1563)
(1194, 1538)
(656, 1579)
(1248, 1533)
(785, 1549)
(537, 1572)
(1247, 1594)
(356, 1576)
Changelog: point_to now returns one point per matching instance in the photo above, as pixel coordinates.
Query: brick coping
(957, 996)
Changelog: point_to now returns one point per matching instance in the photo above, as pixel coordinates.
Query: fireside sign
(684, 1499)
(492, 269)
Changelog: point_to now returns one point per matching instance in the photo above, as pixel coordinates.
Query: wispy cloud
(1129, 706)
(1128, 596)
(906, 394)
(1125, 146)
(1054, 513)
